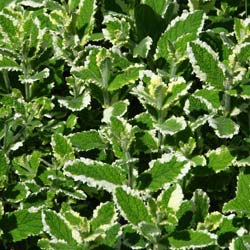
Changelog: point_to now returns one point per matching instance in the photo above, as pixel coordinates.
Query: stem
(160, 135)
(227, 100)
(130, 169)
(6, 80)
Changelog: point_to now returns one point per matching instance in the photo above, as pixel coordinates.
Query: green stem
(130, 169)
(6, 80)
(160, 135)
(227, 100)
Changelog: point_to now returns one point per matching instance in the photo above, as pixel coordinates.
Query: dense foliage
(124, 124)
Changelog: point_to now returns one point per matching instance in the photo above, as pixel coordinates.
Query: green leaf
(206, 64)
(191, 239)
(9, 64)
(242, 53)
(241, 203)
(16, 192)
(58, 245)
(163, 171)
(200, 205)
(189, 24)
(131, 206)
(128, 76)
(224, 127)
(159, 7)
(87, 140)
(220, 158)
(73, 4)
(103, 216)
(55, 225)
(62, 148)
(241, 29)
(36, 77)
(172, 125)
(95, 173)
(77, 103)
(210, 97)
(22, 224)
(142, 49)
(7, 27)
(85, 16)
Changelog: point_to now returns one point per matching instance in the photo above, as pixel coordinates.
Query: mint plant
(124, 124)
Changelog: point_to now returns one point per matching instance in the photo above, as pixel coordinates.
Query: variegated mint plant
(124, 124)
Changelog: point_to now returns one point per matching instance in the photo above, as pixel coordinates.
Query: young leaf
(206, 64)
(191, 239)
(117, 29)
(163, 171)
(22, 224)
(172, 125)
(241, 203)
(131, 206)
(55, 225)
(94, 173)
(224, 127)
(62, 148)
(87, 140)
(220, 158)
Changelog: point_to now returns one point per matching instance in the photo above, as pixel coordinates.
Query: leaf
(142, 49)
(241, 203)
(211, 222)
(220, 158)
(164, 171)
(206, 64)
(57, 245)
(87, 140)
(95, 173)
(27, 165)
(22, 224)
(242, 53)
(85, 16)
(224, 127)
(9, 64)
(75, 103)
(36, 77)
(200, 205)
(62, 148)
(172, 125)
(210, 97)
(131, 206)
(128, 76)
(16, 192)
(189, 24)
(117, 29)
(117, 109)
(191, 239)
(55, 225)
(176, 198)
(159, 7)
(103, 215)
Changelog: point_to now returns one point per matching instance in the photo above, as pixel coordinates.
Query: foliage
(124, 124)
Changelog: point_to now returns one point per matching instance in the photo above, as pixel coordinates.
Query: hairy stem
(6, 80)
(130, 169)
